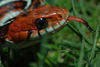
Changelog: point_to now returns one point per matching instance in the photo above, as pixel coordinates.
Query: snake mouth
(56, 17)
(57, 25)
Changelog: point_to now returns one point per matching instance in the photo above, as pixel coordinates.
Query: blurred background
(69, 47)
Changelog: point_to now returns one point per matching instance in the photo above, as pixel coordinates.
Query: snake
(24, 22)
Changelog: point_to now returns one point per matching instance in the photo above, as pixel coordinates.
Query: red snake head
(54, 17)
(49, 19)
(35, 23)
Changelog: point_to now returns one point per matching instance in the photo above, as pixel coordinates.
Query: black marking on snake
(2, 40)
(39, 33)
(37, 4)
(11, 20)
(3, 31)
(25, 14)
(30, 4)
(29, 34)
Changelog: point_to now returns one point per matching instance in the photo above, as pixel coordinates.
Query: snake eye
(41, 23)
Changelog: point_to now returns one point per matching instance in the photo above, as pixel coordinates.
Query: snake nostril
(60, 16)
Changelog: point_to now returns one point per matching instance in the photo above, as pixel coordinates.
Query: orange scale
(14, 24)
(57, 17)
(28, 21)
(8, 36)
(9, 32)
(22, 19)
(15, 36)
(11, 25)
(15, 29)
(26, 27)
(23, 35)
(12, 29)
(18, 30)
(21, 23)
(19, 26)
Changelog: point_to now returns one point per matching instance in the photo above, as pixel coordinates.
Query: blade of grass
(96, 12)
(73, 29)
(48, 62)
(79, 28)
(71, 56)
(73, 44)
(81, 54)
(46, 3)
(81, 2)
(43, 51)
(1, 65)
(98, 62)
(94, 46)
(8, 57)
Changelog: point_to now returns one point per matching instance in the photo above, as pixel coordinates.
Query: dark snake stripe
(12, 6)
